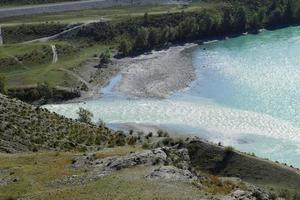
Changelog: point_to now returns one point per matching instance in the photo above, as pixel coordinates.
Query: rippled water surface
(247, 94)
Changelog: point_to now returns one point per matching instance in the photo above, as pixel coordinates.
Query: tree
(254, 22)
(85, 116)
(2, 84)
(241, 19)
(227, 20)
(104, 57)
(45, 90)
(146, 19)
(141, 41)
(125, 46)
(153, 37)
(290, 10)
(164, 36)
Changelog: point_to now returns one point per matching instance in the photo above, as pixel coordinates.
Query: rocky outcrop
(171, 173)
(255, 194)
(168, 164)
(98, 168)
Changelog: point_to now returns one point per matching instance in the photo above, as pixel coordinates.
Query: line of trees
(140, 34)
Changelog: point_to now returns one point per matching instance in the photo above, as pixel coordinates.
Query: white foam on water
(211, 117)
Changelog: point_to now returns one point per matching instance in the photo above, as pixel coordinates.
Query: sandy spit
(158, 74)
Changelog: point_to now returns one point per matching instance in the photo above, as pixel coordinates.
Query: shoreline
(158, 74)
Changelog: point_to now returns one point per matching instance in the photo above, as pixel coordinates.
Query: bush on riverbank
(43, 93)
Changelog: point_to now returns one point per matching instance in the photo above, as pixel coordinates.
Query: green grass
(11, 50)
(29, 74)
(34, 73)
(114, 13)
(127, 184)
(34, 171)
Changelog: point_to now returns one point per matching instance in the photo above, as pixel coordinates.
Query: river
(247, 95)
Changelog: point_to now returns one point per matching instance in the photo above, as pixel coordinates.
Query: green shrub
(131, 140)
(229, 150)
(125, 46)
(85, 116)
(146, 145)
(105, 58)
(160, 133)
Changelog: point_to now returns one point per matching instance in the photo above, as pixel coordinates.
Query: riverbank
(155, 75)
(159, 74)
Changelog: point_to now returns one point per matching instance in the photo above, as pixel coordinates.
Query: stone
(171, 173)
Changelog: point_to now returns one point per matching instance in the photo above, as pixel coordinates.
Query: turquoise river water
(247, 94)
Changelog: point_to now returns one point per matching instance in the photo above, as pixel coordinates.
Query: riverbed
(246, 94)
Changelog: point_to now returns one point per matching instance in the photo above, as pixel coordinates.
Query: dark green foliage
(229, 150)
(105, 58)
(44, 90)
(141, 41)
(241, 17)
(153, 37)
(156, 31)
(131, 140)
(100, 32)
(117, 139)
(2, 84)
(32, 94)
(15, 34)
(84, 116)
(160, 133)
(125, 46)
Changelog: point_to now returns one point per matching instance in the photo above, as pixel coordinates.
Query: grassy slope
(35, 170)
(32, 73)
(26, 128)
(29, 74)
(258, 171)
(38, 169)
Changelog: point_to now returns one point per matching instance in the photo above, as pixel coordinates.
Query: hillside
(156, 163)
(27, 128)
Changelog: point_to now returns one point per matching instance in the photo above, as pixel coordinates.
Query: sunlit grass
(34, 73)
(113, 13)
